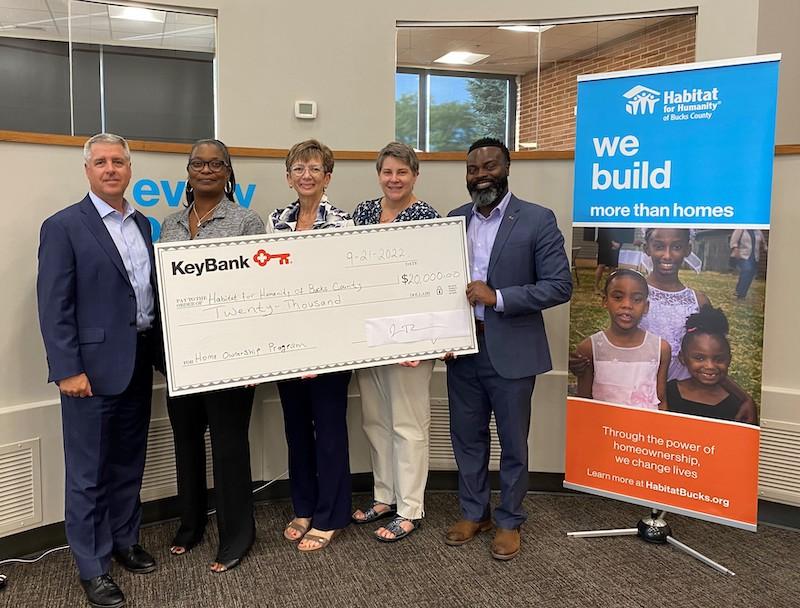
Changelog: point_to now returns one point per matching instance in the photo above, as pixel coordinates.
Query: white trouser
(396, 414)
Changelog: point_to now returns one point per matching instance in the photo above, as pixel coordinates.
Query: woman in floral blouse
(314, 407)
(396, 398)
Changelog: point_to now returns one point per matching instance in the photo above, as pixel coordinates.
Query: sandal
(228, 565)
(399, 532)
(322, 541)
(297, 527)
(371, 514)
(177, 548)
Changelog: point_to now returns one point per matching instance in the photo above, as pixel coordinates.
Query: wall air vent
(779, 474)
(20, 486)
(441, 451)
(160, 478)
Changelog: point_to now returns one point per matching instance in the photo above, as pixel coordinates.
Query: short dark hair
(491, 142)
(230, 185)
(649, 232)
(708, 321)
(402, 152)
(627, 272)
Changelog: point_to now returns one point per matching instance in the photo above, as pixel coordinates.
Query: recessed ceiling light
(460, 58)
(132, 13)
(526, 28)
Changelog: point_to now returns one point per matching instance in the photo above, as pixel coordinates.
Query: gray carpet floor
(552, 571)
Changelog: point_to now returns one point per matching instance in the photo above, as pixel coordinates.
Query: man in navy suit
(518, 268)
(96, 293)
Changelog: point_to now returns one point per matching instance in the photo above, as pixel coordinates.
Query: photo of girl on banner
(706, 354)
(624, 363)
(657, 335)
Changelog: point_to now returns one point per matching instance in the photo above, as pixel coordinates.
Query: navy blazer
(529, 265)
(87, 306)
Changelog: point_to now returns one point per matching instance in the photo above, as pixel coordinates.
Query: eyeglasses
(314, 170)
(198, 165)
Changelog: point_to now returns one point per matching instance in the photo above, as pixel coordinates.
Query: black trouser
(226, 413)
(315, 419)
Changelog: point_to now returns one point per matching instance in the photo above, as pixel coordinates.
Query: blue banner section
(693, 146)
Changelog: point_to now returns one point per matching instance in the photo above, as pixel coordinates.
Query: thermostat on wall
(305, 109)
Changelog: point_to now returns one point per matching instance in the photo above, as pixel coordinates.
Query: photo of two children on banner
(676, 325)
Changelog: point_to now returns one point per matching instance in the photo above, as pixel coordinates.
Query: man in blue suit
(518, 268)
(96, 293)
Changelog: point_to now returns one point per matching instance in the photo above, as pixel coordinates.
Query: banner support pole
(654, 529)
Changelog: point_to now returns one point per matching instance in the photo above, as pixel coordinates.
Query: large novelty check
(260, 308)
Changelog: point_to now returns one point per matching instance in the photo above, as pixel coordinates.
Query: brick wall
(668, 42)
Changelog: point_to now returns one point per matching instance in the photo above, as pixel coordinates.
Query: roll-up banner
(673, 177)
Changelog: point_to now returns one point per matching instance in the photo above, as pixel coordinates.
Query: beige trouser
(396, 414)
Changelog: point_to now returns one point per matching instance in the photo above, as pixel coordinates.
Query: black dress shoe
(102, 592)
(135, 559)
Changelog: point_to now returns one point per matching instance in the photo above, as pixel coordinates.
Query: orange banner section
(698, 466)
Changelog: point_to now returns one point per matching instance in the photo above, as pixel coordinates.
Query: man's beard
(486, 197)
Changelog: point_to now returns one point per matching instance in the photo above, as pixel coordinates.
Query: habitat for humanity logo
(641, 100)
(685, 104)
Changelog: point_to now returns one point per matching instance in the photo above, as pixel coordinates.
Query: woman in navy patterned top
(396, 398)
(314, 407)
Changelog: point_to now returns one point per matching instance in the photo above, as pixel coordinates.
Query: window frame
(423, 100)
(80, 121)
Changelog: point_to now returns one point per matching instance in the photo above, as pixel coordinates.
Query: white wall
(342, 55)
(778, 26)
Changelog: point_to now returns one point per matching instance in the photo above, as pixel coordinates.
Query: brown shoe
(505, 545)
(465, 530)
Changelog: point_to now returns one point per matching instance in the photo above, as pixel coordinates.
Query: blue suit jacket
(529, 266)
(87, 306)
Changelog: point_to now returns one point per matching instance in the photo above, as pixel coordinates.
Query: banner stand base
(654, 529)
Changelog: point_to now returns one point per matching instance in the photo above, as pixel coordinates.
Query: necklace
(205, 215)
(387, 216)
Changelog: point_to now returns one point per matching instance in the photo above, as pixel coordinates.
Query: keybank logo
(209, 265)
(641, 100)
(262, 258)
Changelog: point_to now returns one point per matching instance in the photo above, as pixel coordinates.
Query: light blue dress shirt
(133, 250)
(480, 239)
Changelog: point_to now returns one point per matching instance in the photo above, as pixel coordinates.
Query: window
(34, 80)
(153, 95)
(439, 111)
(517, 81)
(549, 93)
(83, 67)
(406, 104)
